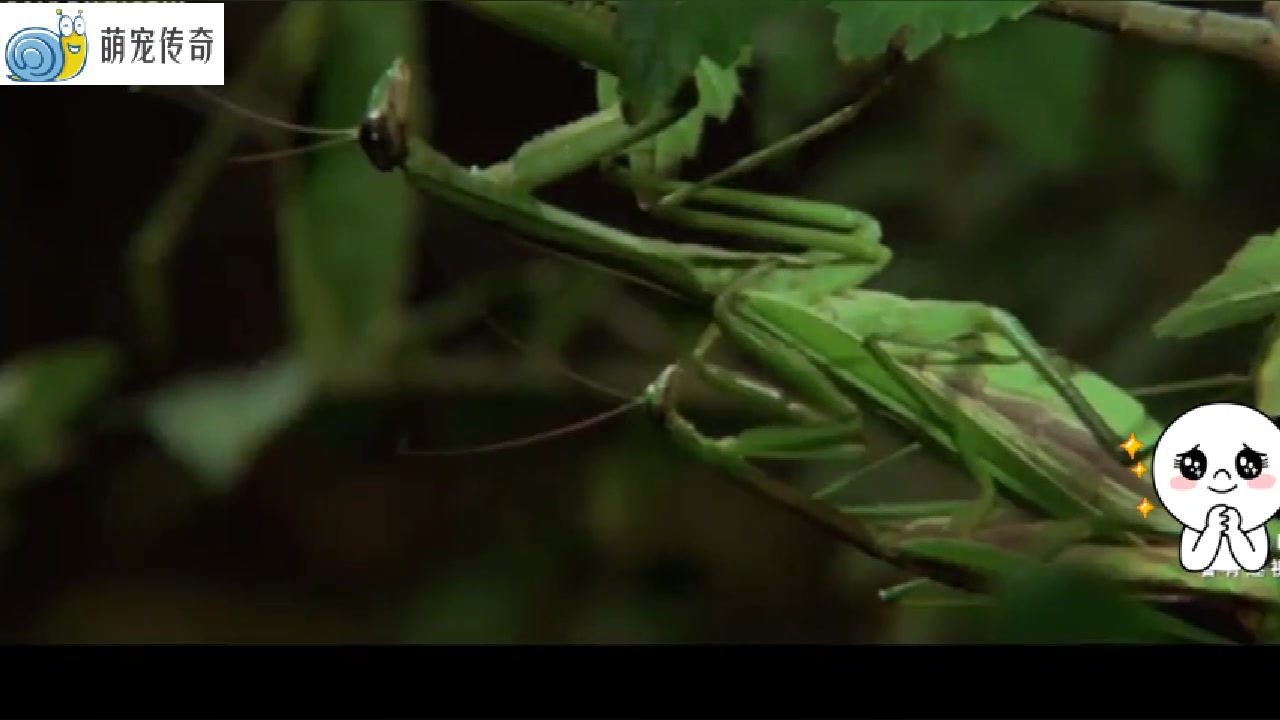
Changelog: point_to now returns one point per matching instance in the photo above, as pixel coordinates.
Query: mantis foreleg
(773, 218)
(661, 396)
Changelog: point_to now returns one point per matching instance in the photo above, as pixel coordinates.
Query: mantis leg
(821, 395)
(765, 398)
(731, 455)
(982, 508)
(809, 434)
(575, 146)
(804, 432)
(728, 454)
(806, 224)
(773, 218)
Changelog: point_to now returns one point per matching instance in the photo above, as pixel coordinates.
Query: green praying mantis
(1040, 436)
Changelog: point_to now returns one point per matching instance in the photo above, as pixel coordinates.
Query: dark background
(1085, 183)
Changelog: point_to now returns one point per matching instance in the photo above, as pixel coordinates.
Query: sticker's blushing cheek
(1262, 482)
(1181, 483)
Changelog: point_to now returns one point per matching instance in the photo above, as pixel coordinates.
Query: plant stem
(869, 88)
(579, 35)
(1254, 39)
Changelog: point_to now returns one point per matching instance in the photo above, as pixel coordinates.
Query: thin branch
(1254, 39)
(874, 82)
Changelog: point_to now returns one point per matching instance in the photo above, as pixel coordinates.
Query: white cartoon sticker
(1211, 470)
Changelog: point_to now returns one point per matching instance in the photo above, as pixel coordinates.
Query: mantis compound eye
(382, 147)
(1249, 463)
(1192, 464)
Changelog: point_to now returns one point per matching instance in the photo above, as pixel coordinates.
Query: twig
(869, 88)
(1254, 39)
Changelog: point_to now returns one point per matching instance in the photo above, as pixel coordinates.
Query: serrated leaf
(1248, 289)
(217, 423)
(1040, 104)
(718, 88)
(42, 392)
(661, 156)
(729, 25)
(663, 42)
(865, 27)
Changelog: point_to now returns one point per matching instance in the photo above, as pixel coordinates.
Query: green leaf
(1267, 375)
(217, 423)
(348, 229)
(728, 26)
(42, 392)
(718, 88)
(1053, 605)
(661, 156)
(1039, 603)
(663, 42)
(1247, 289)
(1156, 569)
(1040, 104)
(1185, 116)
(865, 27)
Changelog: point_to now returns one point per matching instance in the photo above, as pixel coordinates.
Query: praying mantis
(1040, 436)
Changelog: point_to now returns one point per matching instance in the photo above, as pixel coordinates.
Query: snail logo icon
(38, 54)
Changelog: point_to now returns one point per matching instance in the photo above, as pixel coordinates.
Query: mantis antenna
(336, 136)
(386, 128)
(533, 439)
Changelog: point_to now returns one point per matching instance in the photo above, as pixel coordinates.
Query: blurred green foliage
(347, 232)
(1086, 183)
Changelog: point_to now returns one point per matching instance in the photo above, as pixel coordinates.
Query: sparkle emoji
(1145, 507)
(1132, 446)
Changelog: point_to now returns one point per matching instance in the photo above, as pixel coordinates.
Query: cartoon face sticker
(1212, 472)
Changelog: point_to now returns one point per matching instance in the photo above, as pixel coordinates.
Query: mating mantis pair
(1040, 436)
